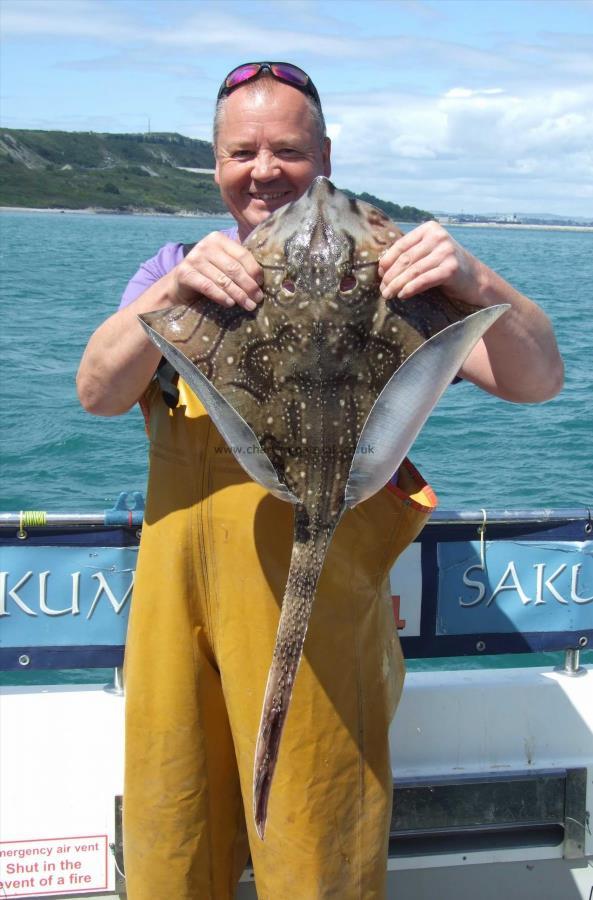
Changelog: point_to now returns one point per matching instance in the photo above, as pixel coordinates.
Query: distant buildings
(511, 219)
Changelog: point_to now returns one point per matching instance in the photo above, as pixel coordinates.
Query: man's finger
(230, 259)
(401, 283)
(234, 282)
(200, 283)
(218, 248)
(402, 245)
(231, 272)
(246, 259)
(433, 277)
(404, 261)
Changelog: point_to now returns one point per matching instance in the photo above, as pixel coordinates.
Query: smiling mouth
(272, 195)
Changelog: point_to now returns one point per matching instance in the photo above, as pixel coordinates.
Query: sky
(448, 105)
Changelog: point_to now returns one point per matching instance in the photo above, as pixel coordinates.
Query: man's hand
(120, 359)
(517, 359)
(220, 269)
(425, 258)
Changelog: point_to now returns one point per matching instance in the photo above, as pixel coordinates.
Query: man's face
(268, 152)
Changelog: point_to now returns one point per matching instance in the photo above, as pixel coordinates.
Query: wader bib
(211, 572)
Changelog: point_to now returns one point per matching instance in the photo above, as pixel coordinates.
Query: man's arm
(120, 359)
(518, 358)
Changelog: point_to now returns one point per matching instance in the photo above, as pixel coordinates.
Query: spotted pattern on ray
(304, 370)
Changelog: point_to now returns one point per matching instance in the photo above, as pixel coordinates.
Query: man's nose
(265, 167)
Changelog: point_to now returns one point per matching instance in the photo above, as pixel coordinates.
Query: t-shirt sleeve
(151, 270)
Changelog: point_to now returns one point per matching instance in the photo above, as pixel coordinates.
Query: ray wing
(407, 400)
(203, 345)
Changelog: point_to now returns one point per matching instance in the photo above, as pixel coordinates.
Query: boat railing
(475, 582)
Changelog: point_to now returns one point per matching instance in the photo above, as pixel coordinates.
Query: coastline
(187, 214)
(101, 211)
(514, 226)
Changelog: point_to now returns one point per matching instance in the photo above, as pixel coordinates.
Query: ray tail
(306, 563)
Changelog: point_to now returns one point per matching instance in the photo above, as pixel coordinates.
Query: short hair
(262, 85)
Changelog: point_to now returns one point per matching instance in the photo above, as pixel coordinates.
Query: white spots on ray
(265, 358)
(266, 322)
(379, 356)
(302, 305)
(303, 440)
(333, 304)
(230, 360)
(391, 234)
(342, 401)
(364, 252)
(249, 329)
(303, 404)
(303, 474)
(270, 421)
(394, 328)
(290, 348)
(205, 338)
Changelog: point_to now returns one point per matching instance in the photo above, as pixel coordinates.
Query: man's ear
(216, 171)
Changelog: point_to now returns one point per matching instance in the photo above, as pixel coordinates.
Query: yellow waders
(211, 572)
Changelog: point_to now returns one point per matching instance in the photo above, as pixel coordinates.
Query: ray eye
(347, 283)
(288, 286)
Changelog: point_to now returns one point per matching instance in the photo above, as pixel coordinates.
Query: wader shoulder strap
(167, 378)
(166, 375)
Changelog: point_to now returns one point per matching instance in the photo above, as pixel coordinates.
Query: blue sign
(64, 601)
(530, 586)
(61, 597)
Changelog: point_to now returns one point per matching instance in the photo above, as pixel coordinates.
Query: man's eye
(288, 152)
(242, 154)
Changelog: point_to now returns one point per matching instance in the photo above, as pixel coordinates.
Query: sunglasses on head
(285, 72)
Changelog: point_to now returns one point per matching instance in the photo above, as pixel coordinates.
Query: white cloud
(68, 18)
(486, 146)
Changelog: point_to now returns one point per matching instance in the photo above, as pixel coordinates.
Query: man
(215, 550)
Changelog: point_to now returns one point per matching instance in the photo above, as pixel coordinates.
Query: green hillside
(120, 172)
(394, 210)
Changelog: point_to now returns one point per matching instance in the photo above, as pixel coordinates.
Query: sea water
(61, 275)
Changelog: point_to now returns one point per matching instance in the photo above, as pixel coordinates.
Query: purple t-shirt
(154, 268)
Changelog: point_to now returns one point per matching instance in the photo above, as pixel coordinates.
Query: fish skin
(299, 378)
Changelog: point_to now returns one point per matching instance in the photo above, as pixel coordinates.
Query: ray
(321, 367)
